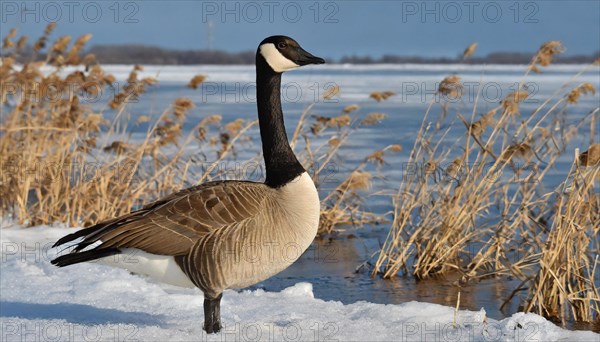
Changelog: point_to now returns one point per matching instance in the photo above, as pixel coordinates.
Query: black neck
(280, 162)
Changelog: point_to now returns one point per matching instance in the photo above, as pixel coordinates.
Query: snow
(92, 302)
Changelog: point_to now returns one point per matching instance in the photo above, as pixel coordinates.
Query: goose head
(283, 53)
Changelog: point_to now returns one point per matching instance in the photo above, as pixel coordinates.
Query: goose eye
(281, 45)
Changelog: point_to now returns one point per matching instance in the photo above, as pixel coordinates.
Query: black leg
(212, 314)
(217, 314)
(208, 323)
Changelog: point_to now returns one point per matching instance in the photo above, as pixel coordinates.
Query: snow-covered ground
(91, 302)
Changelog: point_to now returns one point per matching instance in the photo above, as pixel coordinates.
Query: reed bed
(485, 212)
(474, 205)
(63, 161)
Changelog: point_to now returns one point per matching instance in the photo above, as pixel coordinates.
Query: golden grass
(564, 286)
(64, 162)
(470, 50)
(461, 213)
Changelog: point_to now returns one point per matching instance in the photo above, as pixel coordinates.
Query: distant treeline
(492, 58)
(143, 54)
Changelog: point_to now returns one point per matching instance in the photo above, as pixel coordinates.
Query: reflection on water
(331, 267)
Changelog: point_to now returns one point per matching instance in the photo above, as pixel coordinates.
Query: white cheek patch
(276, 60)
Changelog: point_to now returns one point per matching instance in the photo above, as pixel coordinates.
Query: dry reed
(460, 212)
(62, 161)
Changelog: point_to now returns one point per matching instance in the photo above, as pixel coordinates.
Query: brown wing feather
(171, 225)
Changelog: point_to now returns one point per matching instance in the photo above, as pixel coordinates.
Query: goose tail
(77, 257)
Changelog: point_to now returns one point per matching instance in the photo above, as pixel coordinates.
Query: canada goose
(225, 234)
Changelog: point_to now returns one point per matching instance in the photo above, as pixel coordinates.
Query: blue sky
(331, 28)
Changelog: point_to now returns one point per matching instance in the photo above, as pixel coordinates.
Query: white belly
(162, 268)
